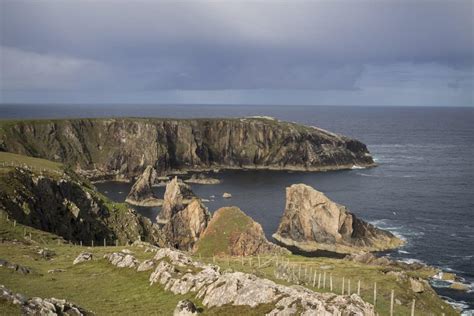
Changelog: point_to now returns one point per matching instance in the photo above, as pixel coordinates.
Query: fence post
(413, 308)
(116, 242)
(105, 243)
(348, 286)
(343, 283)
(81, 243)
(319, 280)
(314, 278)
(214, 259)
(375, 293)
(391, 303)
(324, 280)
(92, 242)
(330, 281)
(299, 272)
(14, 223)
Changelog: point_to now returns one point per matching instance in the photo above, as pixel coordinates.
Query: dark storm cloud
(199, 45)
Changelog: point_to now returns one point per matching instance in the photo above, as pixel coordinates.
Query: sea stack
(312, 222)
(177, 196)
(141, 193)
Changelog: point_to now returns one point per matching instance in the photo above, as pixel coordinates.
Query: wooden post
(413, 308)
(375, 293)
(299, 272)
(349, 287)
(324, 280)
(343, 283)
(330, 281)
(81, 243)
(24, 232)
(92, 242)
(314, 278)
(358, 288)
(58, 242)
(105, 243)
(116, 242)
(391, 303)
(305, 273)
(319, 280)
(14, 223)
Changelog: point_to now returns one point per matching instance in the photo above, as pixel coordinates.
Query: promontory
(121, 148)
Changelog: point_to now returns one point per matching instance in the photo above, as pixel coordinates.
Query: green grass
(10, 160)
(104, 289)
(225, 223)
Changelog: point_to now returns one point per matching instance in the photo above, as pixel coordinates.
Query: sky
(339, 52)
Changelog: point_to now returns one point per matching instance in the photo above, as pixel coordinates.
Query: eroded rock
(122, 260)
(185, 308)
(142, 193)
(313, 222)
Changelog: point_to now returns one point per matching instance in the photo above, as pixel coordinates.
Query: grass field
(104, 289)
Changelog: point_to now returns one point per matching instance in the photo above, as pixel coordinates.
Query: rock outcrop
(82, 257)
(122, 260)
(186, 226)
(177, 195)
(201, 178)
(181, 275)
(232, 232)
(122, 148)
(185, 308)
(40, 306)
(67, 205)
(142, 193)
(312, 222)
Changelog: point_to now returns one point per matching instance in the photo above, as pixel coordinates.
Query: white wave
(403, 251)
(367, 175)
(355, 167)
(411, 261)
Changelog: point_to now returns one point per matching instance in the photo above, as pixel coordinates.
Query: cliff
(312, 222)
(122, 148)
(59, 201)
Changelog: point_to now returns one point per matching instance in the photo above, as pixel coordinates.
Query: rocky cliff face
(313, 222)
(232, 232)
(66, 205)
(141, 192)
(186, 226)
(177, 196)
(124, 147)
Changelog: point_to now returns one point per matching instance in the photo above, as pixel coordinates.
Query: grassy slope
(224, 223)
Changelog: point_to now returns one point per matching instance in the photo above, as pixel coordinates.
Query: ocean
(421, 190)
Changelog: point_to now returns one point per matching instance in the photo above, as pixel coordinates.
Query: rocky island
(141, 193)
(312, 222)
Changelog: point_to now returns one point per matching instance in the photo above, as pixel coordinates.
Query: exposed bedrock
(123, 148)
(66, 205)
(183, 215)
(142, 193)
(313, 222)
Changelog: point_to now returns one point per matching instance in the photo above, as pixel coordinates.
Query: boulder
(185, 308)
(141, 193)
(232, 232)
(84, 256)
(226, 195)
(312, 222)
(122, 260)
(416, 285)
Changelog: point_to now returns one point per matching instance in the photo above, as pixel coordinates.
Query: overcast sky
(350, 52)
